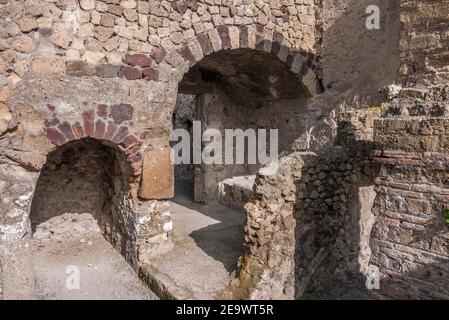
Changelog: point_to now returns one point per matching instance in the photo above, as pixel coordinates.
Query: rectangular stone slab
(157, 175)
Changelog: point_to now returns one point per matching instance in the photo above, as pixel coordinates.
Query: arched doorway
(237, 89)
(229, 89)
(83, 226)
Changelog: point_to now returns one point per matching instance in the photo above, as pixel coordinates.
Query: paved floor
(208, 242)
(103, 272)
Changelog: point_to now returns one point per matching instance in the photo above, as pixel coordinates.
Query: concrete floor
(103, 272)
(208, 242)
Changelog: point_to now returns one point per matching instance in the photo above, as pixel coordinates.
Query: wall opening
(231, 89)
(237, 89)
(82, 190)
(83, 224)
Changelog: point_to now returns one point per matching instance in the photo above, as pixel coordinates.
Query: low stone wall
(301, 230)
(410, 236)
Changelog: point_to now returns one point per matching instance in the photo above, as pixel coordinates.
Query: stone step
(235, 192)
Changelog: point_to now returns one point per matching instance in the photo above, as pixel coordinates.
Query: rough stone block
(150, 74)
(108, 71)
(79, 68)
(138, 59)
(131, 73)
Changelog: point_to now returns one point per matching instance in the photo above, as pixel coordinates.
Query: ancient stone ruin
(91, 91)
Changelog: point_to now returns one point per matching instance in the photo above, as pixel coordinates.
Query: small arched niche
(84, 188)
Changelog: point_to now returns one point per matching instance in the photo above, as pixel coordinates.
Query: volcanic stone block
(131, 73)
(137, 59)
(157, 175)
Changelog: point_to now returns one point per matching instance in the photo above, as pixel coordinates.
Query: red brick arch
(225, 37)
(110, 124)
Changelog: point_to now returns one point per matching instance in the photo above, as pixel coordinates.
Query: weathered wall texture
(424, 42)
(410, 235)
(110, 70)
(356, 61)
(354, 64)
(301, 226)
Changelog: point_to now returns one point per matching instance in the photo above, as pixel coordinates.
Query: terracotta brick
(102, 111)
(276, 46)
(100, 128)
(290, 59)
(243, 36)
(157, 175)
(110, 130)
(88, 123)
(66, 130)
(135, 157)
(78, 130)
(120, 134)
(260, 41)
(52, 122)
(129, 141)
(56, 137)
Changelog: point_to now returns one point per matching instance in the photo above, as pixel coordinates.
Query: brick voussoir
(66, 129)
(187, 55)
(120, 134)
(244, 43)
(204, 41)
(55, 136)
(100, 129)
(111, 128)
(78, 130)
(88, 122)
(223, 32)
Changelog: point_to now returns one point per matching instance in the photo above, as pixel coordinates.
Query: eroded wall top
(424, 41)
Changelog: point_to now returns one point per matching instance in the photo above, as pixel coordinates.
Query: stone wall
(110, 70)
(424, 42)
(410, 237)
(301, 228)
